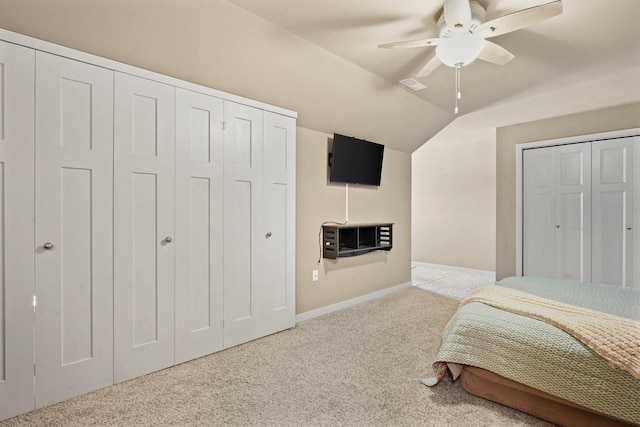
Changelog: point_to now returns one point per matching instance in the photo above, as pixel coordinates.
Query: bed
(538, 368)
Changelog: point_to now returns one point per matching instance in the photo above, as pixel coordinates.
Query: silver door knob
(167, 239)
(48, 245)
(268, 234)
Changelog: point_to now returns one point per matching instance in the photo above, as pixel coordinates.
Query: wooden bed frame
(488, 385)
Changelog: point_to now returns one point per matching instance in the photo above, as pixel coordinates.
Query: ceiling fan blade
(430, 67)
(410, 43)
(523, 18)
(495, 54)
(457, 13)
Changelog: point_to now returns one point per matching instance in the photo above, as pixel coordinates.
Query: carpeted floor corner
(457, 283)
(355, 367)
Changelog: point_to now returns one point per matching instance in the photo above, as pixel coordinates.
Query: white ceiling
(591, 41)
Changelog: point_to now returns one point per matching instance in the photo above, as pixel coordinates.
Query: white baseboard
(353, 301)
(451, 268)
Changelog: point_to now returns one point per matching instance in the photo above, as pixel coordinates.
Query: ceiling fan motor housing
(478, 17)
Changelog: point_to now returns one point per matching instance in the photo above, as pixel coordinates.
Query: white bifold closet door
(73, 233)
(573, 212)
(244, 238)
(143, 226)
(16, 229)
(279, 172)
(199, 225)
(539, 212)
(557, 212)
(613, 211)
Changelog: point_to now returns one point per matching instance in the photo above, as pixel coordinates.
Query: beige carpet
(355, 367)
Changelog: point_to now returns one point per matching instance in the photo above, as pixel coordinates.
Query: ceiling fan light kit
(461, 48)
(463, 33)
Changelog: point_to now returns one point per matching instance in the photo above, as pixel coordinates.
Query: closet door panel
(74, 283)
(279, 170)
(17, 65)
(539, 224)
(613, 212)
(144, 260)
(570, 237)
(199, 225)
(573, 212)
(244, 235)
(143, 226)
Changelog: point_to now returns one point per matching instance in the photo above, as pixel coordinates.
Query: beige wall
(319, 201)
(609, 119)
(453, 203)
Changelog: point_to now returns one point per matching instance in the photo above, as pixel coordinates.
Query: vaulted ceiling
(320, 58)
(591, 41)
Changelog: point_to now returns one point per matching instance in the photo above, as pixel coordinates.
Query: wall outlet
(315, 275)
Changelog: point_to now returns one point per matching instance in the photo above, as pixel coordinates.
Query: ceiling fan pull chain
(458, 94)
(455, 111)
(459, 89)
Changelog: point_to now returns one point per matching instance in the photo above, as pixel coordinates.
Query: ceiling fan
(463, 33)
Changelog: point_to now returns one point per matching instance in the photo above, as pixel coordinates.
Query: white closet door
(539, 212)
(244, 232)
(143, 226)
(573, 211)
(279, 171)
(199, 224)
(613, 212)
(74, 269)
(17, 66)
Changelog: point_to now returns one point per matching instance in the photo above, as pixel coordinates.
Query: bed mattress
(543, 357)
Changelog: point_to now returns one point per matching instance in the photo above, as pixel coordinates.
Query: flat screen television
(356, 161)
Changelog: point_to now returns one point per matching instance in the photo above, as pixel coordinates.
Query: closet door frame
(547, 143)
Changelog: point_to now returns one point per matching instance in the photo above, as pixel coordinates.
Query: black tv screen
(355, 161)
